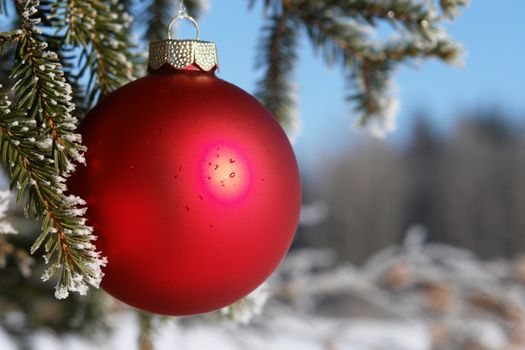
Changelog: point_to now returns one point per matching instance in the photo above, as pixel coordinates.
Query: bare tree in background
(466, 188)
(364, 190)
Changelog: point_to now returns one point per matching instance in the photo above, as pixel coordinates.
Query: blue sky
(492, 32)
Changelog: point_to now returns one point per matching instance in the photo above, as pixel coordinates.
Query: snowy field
(411, 297)
(284, 333)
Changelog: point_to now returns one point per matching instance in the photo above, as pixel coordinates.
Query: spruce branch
(277, 54)
(442, 48)
(344, 33)
(374, 96)
(41, 89)
(64, 235)
(159, 13)
(451, 8)
(416, 16)
(8, 37)
(102, 30)
(39, 147)
(339, 42)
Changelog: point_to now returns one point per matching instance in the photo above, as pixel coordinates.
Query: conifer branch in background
(278, 54)
(102, 30)
(341, 32)
(8, 37)
(451, 8)
(159, 13)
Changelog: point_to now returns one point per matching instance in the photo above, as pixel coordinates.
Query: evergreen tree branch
(337, 40)
(450, 8)
(159, 13)
(373, 95)
(39, 146)
(373, 87)
(442, 48)
(277, 54)
(102, 29)
(64, 235)
(7, 37)
(41, 90)
(415, 16)
(340, 30)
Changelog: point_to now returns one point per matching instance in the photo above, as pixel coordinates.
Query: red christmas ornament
(192, 186)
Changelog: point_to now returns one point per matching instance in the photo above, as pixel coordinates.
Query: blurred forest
(465, 187)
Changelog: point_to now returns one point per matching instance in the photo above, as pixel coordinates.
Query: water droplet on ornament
(209, 164)
(175, 176)
(218, 148)
(232, 160)
(211, 226)
(232, 175)
(222, 183)
(187, 208)
(262, 180)
(217, 155)
(209, 177)
(216, 167)
(132, 167)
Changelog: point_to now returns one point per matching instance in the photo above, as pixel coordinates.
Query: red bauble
(192, 188)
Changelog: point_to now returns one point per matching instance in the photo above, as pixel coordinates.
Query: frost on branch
(102, 31)
(242, 311)
(368, 39)
(457, 300)
(39, 144)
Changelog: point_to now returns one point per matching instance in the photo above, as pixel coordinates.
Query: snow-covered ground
(415, 296)
(285, 333)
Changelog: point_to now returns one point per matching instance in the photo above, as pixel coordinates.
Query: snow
(414, 296)
(288, 332)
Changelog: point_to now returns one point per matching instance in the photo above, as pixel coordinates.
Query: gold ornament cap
(180, 54)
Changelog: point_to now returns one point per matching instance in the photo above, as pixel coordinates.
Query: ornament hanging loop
(179, 53)
(183, 14)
